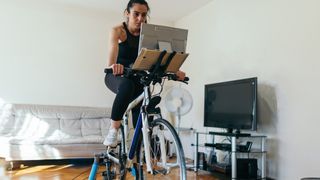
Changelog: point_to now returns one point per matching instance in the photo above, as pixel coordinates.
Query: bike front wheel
(166, 153)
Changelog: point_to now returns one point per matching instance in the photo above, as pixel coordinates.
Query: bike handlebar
(129, 72)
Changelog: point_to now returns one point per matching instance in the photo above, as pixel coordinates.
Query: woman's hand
(117, 69)
(181, 75)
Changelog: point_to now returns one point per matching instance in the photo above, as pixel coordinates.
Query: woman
(124, 42)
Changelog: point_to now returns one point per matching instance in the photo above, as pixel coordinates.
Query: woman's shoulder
(118, 30)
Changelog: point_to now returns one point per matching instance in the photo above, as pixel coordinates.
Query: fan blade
(171, 106)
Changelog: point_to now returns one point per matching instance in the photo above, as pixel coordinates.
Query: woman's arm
(113, 51)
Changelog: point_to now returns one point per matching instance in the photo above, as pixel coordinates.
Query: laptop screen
(158, 37)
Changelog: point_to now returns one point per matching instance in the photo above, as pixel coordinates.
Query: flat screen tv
(231, 105)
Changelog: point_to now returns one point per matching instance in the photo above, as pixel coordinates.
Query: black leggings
(126, 90)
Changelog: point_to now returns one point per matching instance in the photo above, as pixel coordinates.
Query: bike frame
(142, 127)
(157, 71)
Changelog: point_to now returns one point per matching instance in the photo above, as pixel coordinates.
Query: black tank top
(128, 49)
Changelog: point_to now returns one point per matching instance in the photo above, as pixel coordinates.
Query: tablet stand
(159, 61)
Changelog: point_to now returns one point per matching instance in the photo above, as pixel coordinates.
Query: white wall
(54, 53)
(279, 42)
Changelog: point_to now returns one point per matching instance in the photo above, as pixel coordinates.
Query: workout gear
(128, 49)
(126, 90)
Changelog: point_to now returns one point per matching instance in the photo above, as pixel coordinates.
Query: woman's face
(137, 16)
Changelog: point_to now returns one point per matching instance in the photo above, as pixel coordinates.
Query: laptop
(156, 38)
(160, 37)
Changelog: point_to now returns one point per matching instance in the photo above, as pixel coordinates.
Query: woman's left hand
(181, 75)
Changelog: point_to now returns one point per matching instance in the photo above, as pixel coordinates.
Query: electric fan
(179, 102)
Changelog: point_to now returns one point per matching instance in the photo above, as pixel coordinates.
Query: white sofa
(46, 132)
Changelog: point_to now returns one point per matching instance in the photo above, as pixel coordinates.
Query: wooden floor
(81, 172)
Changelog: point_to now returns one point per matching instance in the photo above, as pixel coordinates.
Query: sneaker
(111, 138)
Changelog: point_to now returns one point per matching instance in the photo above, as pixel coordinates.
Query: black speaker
(247, 168)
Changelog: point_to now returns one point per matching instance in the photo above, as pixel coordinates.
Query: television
(161, 37)
(231, 105)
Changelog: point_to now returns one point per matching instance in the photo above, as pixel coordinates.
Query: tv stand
(235, 149)
(230, 134)
(231, 130)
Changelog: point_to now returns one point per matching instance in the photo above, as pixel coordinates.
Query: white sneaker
(111, 138)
